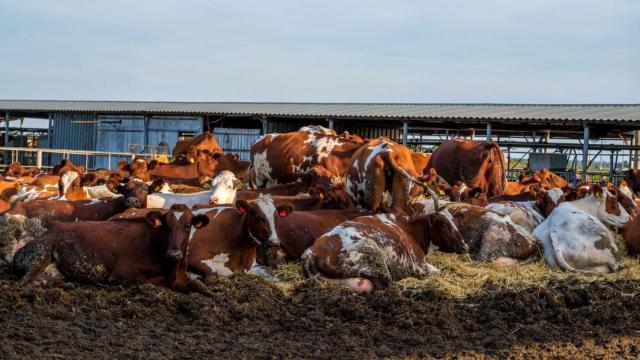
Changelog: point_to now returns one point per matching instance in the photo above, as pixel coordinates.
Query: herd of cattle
(358, 212)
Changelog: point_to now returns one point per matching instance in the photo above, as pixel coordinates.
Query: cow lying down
(369, 252)
(130, 249)
(575, 236)
(223, 191)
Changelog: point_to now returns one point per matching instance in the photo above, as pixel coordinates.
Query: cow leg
(375, 185)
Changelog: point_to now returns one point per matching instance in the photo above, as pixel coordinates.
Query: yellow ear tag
(425, 184)
(158, 222)
(192, 160)
(597, 195)
(442, 193)
(207, 186)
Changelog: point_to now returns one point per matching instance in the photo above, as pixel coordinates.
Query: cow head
(608, 208)
(632, 178)
(624, 196)
(548, 200)
(14, 170)
(160, 186)
(491, 177)
(549, 180)
(182, 224)
(261, 218)
(139, 168)
(443, 232)
(134, 192)
(224, 187)
(70, 186)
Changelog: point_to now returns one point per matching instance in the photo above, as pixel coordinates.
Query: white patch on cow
(319, 129)
(100, 191)
(525, 213)
(504, 220)
(262, 271)
(387, 198)
(177, 214)
(262, 170)
(387, 219)
(555, 194)
(375, 150)
(445, 212)
(217, 264)
(67, 179)
(223, 188)
(266, 206)
(348, 234)
(323, 145)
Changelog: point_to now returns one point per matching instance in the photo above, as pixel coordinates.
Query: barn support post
(330, 123)
(263, 120)
(636, 138)
(6, 128)
(585, 153)
(488, 131)
(405, 133)
(39, 159)
(50, 131)
(473, 134)
(145, 148)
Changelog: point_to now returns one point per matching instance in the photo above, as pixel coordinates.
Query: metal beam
(636, 137)
(264, 125)
(330, 123)
(405, 133)
(488, 131)
(6, 128)
(585, 153)
(50, 132)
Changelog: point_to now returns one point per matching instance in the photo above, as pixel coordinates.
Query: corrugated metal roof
(530, 112)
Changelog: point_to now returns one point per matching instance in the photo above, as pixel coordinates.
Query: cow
(632, 236)
(548, 179)
(604, 206)
(420, 161)
(379, 176)
(281, 233)
(137, 169)
(123, 251)
(189, 150)
(462, 193)
(202, 168)
(43, 187)
(280, 159)
(66, 164)
(223, 191)
(530, 214)
(369, 252)
(477, 163)
(231, 162)
(17, 170)
(632, 178)
(625, 196)
(575, 240)
(8, 188)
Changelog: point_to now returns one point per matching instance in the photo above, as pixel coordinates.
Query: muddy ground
(532, 315)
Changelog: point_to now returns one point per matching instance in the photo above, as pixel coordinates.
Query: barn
(99, 133)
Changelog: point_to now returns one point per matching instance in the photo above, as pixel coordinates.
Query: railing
(47, 158)
(574, 177)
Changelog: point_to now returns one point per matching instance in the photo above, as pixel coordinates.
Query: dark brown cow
(279, 159)
(127, 251)
(188, 151)
(66, 164)
(461, 193)
(477, 163)
(369, 252)
(632, 236)
(548, 179)
(632, 178)
(378, 169)
(232, 162)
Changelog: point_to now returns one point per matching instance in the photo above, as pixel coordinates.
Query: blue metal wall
(117, 133)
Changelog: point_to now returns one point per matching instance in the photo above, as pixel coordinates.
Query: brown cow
(17, 170)
(420, 161)
(279, 159)
(283, 234)
(381, 169)
(477, 163)
(189, 150)
(203, 168)
(548, 179)
(461, 193)
(122, 251)
(369, 252)
(632, 178)
(632, 236)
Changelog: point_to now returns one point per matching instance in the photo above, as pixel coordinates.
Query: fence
(47, 158)
(236, 140)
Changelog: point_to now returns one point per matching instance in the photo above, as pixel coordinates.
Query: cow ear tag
(442, 193)
(242, 210)
(207, 186)
(192, 160)
(158, 222)
(282, 213)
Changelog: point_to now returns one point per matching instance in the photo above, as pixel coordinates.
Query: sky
(502, 51)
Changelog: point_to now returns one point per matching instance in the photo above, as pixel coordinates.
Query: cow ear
(123, 165)
(199, 221)
(153, 164)
(612, 188)
(242, 206)
(238, 183)
(216, 156)
(597, 191)
(475, 192)
(156, 185)
(113, 185)
(88, 179)
(284, 210)
(154, 218)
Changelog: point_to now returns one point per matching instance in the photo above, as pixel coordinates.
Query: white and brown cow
(369, 252)
(379, 176)
(279, 159)
(223, 191)
(530, 214)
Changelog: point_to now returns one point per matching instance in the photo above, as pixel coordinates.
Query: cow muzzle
(174, 255)
(132, 202)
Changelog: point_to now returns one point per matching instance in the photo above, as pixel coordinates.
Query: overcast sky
(325, 51)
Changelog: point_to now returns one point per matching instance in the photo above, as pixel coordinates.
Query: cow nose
(273, 241)
(174, 255)
(213, 201)
(132, 202)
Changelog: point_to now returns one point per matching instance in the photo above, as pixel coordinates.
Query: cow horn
(436, 203)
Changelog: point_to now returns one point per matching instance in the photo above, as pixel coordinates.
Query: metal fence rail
(47, 158)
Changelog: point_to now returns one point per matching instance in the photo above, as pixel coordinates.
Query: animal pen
(579, 142)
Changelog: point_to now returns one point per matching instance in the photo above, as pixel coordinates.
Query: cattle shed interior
(99, 133)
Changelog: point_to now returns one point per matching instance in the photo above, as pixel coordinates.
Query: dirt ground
(468, 310)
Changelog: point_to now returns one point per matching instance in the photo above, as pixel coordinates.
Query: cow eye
(187, 227)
